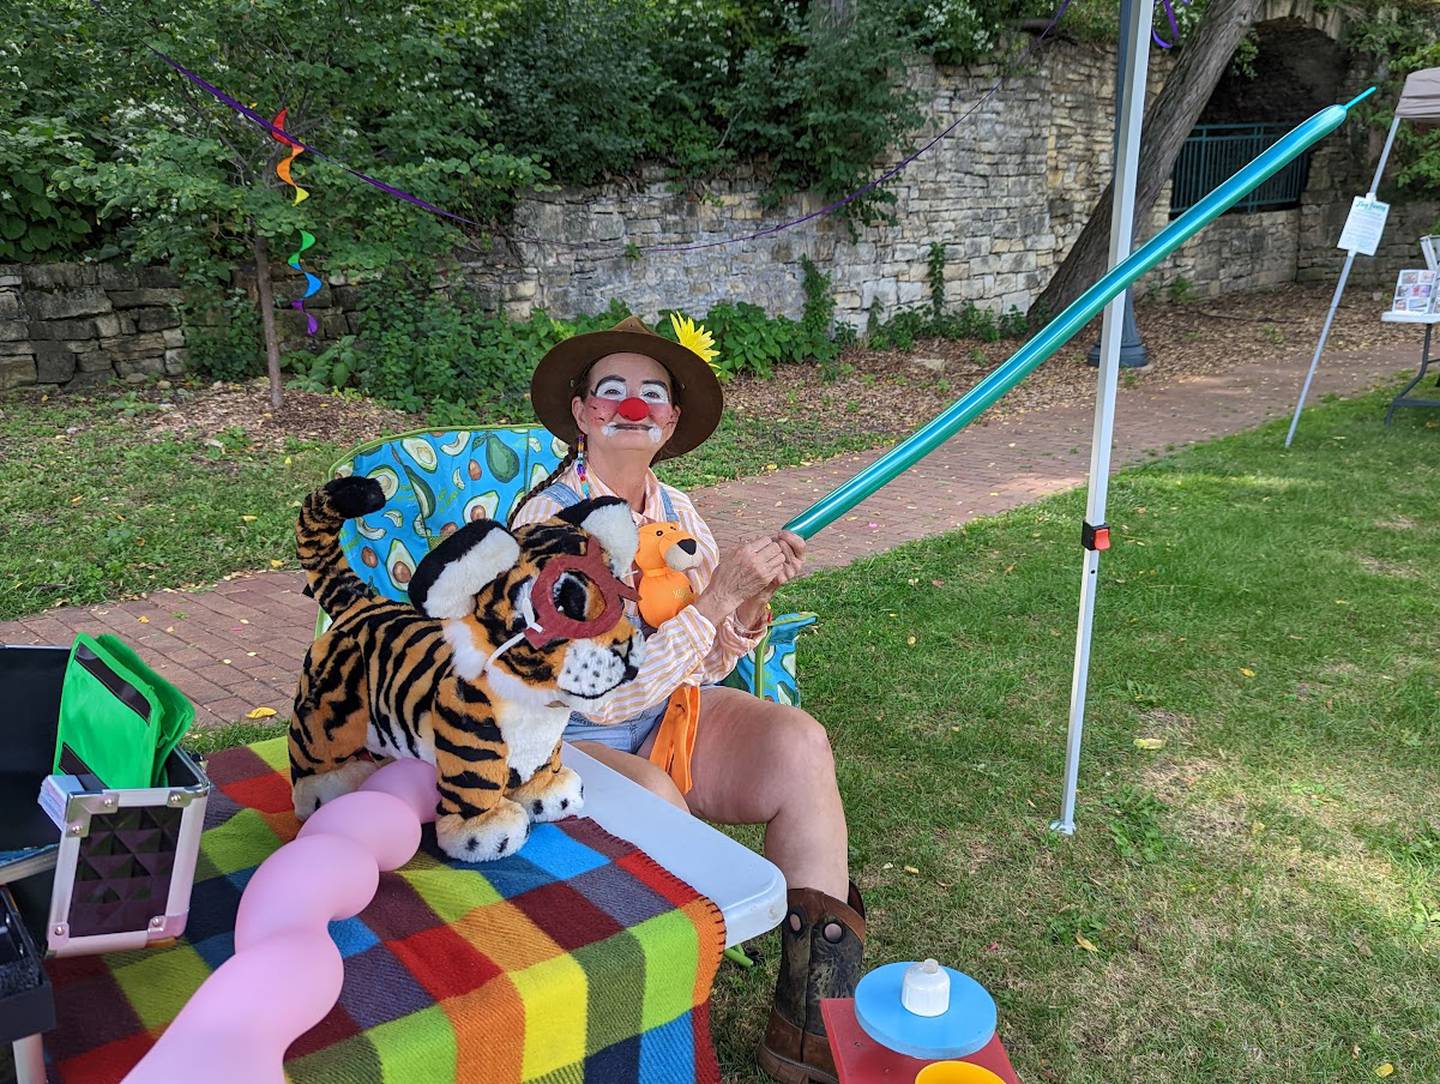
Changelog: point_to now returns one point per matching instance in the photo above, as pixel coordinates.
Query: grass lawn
(96, 509)
(1258, 898)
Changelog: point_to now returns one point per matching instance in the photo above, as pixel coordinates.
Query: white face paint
(652, 431)
(651, 391)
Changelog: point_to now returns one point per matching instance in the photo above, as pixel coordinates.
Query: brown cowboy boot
(821, 943)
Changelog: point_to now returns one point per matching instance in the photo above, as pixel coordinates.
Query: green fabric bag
(119, 720)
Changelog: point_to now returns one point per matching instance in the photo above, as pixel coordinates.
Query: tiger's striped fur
(386, 680)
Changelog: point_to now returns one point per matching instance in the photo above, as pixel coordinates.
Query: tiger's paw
(313, 791)
(562, 796)
(500, 832)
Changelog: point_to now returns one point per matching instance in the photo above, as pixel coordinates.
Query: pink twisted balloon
(286, 971)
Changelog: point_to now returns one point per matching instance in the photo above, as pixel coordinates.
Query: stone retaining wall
(85, 323)
(1006, 193)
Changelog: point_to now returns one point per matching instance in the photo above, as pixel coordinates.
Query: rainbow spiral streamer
(282, 170)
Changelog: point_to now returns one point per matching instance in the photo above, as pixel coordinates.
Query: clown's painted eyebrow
(602, 381)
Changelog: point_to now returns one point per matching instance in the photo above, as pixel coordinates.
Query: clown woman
(624, 399)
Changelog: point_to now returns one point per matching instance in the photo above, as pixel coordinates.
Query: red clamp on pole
(1095, 538)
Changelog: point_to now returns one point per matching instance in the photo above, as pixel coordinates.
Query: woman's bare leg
(756, 762)
(637, 769)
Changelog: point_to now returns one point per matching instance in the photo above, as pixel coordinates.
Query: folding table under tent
(1420, 105)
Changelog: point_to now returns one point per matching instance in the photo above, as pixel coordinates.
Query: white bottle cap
(925, 990)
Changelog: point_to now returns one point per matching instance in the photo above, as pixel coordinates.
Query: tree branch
(1168, 122)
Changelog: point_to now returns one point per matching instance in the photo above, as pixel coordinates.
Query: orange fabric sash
(675, 739)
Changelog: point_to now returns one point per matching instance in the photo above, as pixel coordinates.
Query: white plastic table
(748, 889)
(1429, 320)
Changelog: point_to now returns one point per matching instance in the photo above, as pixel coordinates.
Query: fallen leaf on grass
(1085, 943)
(276, 563)
(1247, 671)
(1149, 743)
(249, 519)
(910, 869)
(260, 713)
(1384, 1070)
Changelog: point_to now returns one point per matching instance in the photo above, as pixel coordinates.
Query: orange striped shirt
(687, 649)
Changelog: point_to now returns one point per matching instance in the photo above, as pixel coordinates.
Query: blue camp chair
(437, 479)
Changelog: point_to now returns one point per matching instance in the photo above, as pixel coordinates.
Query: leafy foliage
(39, 221)
(428, 351)
(179, 178)
(224, 337)
(1405, 38)
(816, 97)
(467, 105)
(935, 321)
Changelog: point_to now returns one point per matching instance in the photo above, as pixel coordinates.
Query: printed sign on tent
(1364, 226)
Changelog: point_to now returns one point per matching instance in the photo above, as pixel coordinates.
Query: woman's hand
(794, 547)
(752, 611)
(742, 574)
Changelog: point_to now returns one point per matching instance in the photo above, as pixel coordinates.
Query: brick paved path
(239, 645)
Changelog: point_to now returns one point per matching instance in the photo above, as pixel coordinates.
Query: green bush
(430, 352)
(39, 220)
(427, 351)
(224, 338)
(902, 330)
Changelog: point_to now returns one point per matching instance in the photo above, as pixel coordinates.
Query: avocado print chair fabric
(436, 480)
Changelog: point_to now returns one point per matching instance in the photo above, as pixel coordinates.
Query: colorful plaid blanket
(578, 959)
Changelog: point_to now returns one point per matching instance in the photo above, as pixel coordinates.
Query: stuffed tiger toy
(504, 635)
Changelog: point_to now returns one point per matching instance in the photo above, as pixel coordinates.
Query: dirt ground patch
(303, 415)
(883, 393)
(887, 392)
(1387, 568)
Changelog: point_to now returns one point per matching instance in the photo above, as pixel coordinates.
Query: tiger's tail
(317, 540)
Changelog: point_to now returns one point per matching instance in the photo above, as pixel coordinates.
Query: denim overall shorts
(629, 735)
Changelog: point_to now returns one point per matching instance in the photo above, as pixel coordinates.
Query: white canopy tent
(1419, 104)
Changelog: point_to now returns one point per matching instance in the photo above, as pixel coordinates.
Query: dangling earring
(580, 466)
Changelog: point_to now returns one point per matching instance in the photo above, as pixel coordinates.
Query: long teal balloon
(1059, 331)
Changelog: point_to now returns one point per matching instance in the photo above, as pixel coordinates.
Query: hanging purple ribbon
(284, 136)
(1174, 26)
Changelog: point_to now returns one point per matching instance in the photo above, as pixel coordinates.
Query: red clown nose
(634, 409)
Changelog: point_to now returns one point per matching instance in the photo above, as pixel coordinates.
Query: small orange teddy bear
(666, 551)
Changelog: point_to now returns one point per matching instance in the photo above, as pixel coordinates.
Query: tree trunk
(1167, 124)
(267, 317)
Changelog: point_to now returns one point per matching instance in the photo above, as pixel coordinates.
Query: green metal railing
(1215, 151)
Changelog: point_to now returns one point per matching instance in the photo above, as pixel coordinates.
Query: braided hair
(542, 486)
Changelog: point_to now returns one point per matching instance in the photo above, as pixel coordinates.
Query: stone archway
(1298, 70)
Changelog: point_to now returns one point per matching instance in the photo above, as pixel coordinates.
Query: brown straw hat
(558, 379)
